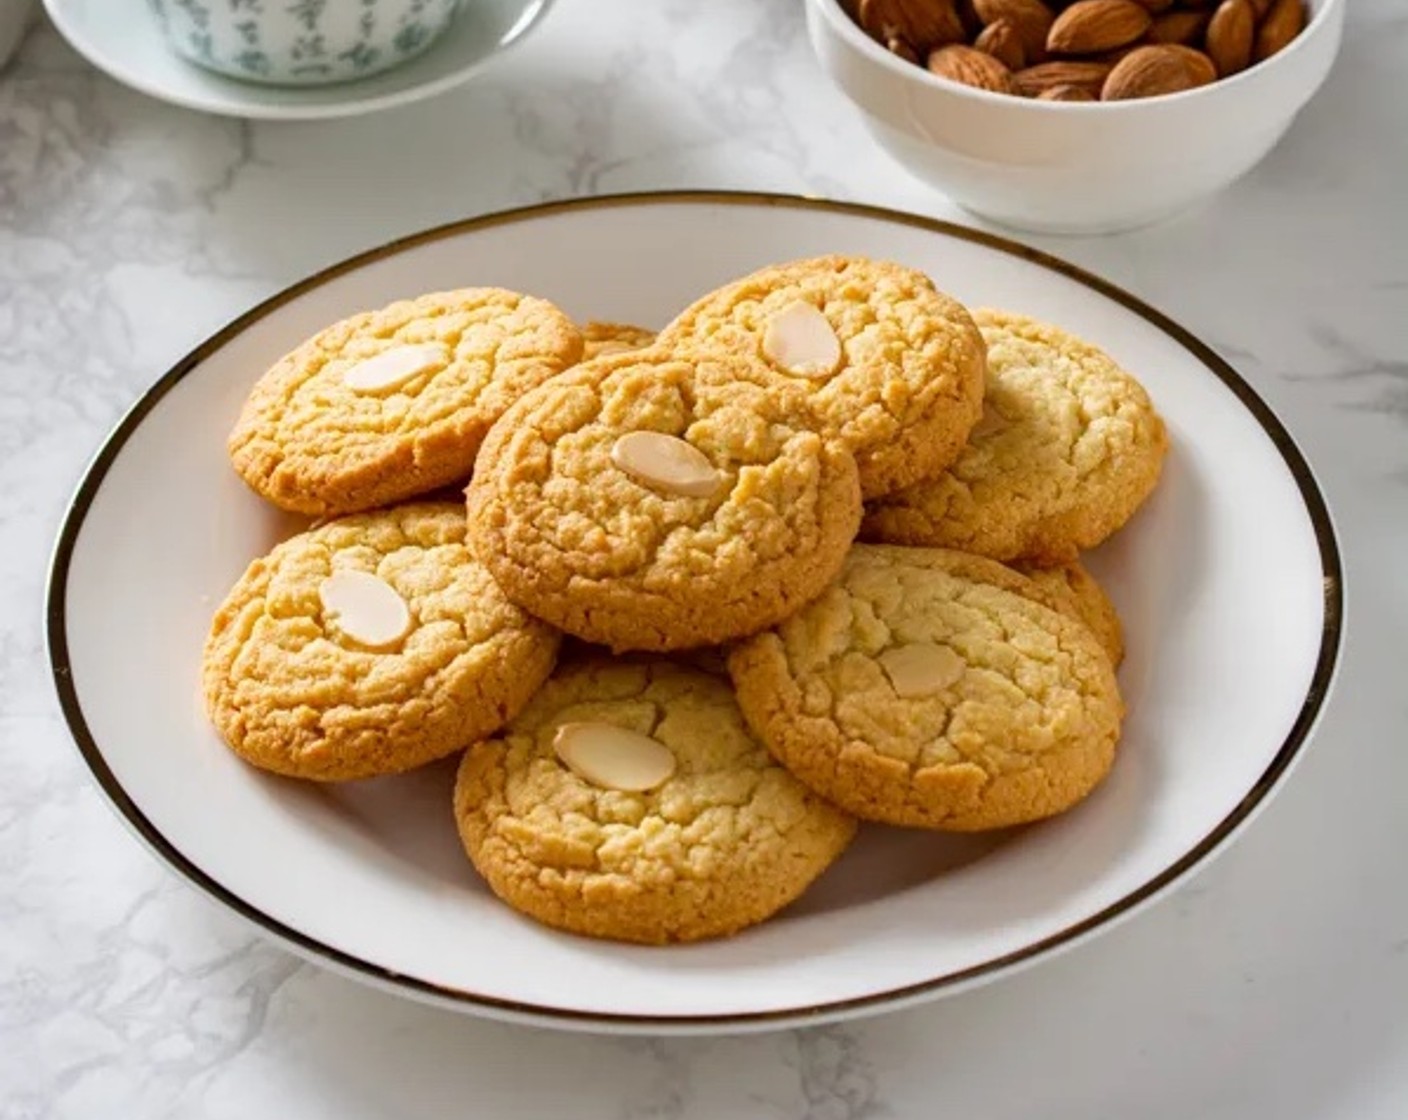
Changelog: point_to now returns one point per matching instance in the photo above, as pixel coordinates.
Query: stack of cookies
(741, 681)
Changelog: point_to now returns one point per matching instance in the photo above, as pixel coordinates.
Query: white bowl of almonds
(1077, 116)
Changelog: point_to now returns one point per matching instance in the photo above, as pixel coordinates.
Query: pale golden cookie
(327, 431)
(920, 690)
(576, 536)
(907, 383)
(293, 686)
(1068, 448)
(613, 338)
(725, 841)
(1072, 589)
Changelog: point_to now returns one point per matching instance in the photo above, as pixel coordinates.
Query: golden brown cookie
(921, 690)
(1072, 589)
(369, 645)
(1068, 448)
(722, 838)
(891, 365)
(392, 404)
(613, 338)
(658, 501)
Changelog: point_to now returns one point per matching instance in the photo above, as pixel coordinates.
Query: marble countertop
(1274, 985)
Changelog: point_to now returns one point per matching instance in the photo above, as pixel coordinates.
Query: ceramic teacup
(302, 42)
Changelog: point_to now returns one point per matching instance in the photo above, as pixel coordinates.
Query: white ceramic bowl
(1063, 167)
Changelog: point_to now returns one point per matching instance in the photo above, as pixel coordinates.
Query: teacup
(302, 42)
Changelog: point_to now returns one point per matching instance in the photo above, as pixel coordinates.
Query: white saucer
(130, 47)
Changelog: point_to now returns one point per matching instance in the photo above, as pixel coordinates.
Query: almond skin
(1282, 23)
(923, 24)
(1035, 80)
(1091, 26)
(1200, 66)
(971, 67)
(1031, 18)
(1230, 36)
(1178, 27)
(1066, 92)
(1000, 39)
(1152, 72)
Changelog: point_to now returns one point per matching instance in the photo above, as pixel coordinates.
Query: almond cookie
(369, 645)
(1072, 589)
(629, 801)
(392, 404)
(656, 501)
(920, 690)
(613, 338)
(1068, 448)
(889, 364)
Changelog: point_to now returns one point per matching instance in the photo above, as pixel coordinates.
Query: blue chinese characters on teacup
(302, 42)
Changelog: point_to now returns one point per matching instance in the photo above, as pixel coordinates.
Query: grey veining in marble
(1275, 985)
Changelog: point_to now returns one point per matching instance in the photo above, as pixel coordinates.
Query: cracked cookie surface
(592, 549)
(309, 443)
(1019, 719)
(909, 383)
(1068, 448)
(291, 694)
(600, 338)
(728, 840)
(1072, 589)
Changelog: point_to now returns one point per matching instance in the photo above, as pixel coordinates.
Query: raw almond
(1150, 72)
(1066, 92)
(923, 24)
(1154, 7)
(971, 67)
(1091, 26)
(1230, 36)
(1035, 80)
(1031, 18)
(1260, 7)
(1000, 39)
(1282, 23)
(1200, 66)
(1178, 27)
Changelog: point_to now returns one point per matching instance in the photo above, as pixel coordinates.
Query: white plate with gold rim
(130, 46)
(1228, 582)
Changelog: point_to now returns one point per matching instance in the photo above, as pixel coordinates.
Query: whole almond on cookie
(1282, 23)
(923, 24)
(1000, 39)
(1152, 72)
(1035, 80)
(970, 67)
(1030, 18)
(1091, 26)
(1230, 36)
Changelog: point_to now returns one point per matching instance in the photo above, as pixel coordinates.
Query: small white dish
(1228, 582)
(131, 47)
(1070, 167)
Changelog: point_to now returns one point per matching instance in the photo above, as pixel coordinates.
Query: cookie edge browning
(522, 661)
(854, 777)
(924, 448)
(438, 455)
(1072, 590)
(635, 620)
(1047, 541)
(644, 916)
